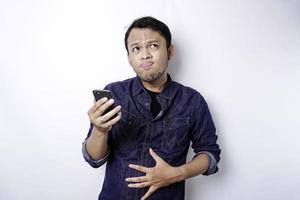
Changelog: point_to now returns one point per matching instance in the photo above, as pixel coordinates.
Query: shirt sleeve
(212, 166)
(92, 162)
(87, 157)
(203, 134)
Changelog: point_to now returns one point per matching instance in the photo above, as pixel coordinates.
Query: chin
(150, 77)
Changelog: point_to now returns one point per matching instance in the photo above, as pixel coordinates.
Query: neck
(157, 85)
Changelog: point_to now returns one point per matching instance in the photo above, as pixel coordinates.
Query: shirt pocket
(176, 136)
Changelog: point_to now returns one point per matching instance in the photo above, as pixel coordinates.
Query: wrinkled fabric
(184, 118)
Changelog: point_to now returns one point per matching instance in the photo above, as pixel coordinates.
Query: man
(146, 144)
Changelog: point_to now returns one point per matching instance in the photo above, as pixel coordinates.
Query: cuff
(92, 162)
(213, 165)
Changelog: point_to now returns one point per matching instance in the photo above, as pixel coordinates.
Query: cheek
(162, 59)
(132, 61)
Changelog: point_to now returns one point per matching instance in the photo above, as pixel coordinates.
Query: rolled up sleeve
(92, 162)
(212, 166)
(87, 157)
(203, 134)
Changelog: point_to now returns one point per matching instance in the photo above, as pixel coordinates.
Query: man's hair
(152, 23)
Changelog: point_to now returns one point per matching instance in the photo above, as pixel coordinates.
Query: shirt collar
(137, 86)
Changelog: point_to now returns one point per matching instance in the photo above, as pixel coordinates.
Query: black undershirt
(155, 106)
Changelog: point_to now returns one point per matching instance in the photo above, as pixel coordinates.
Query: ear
(171, 52)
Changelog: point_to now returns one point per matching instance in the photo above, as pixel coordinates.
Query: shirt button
(147, 104)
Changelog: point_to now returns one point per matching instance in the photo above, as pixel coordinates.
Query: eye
(135, 49)
(154, 46)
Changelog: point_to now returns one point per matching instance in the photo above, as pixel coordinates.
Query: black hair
(152, 23)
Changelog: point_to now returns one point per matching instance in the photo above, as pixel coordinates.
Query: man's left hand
(156, 177)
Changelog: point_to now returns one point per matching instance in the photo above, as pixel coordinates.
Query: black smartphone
(99, 94)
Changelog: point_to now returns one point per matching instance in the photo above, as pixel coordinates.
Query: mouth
(146, 64)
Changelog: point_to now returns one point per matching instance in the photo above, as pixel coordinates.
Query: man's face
(148, 54)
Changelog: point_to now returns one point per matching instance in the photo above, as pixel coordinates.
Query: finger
(149, 192)
(102, 108)
(110, 122)
(116, 119)
(97, 104)
(136, 179)
(110, 114)
(139, 185)
(139, 168)
(101, 101)
(155, 156)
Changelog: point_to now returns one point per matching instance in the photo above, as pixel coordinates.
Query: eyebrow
(149, 41)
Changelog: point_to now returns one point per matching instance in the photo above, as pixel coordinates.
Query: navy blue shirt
(184, 118)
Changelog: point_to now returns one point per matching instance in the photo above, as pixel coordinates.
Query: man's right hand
(103, 124)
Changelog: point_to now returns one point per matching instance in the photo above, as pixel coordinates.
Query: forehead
(141, 35)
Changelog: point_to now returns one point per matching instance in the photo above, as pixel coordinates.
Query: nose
(145, 54)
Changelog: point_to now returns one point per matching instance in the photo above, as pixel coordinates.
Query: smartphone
(99, 94)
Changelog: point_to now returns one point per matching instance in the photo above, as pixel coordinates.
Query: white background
(243, 56)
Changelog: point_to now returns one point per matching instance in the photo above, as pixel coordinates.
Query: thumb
(155, 156)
